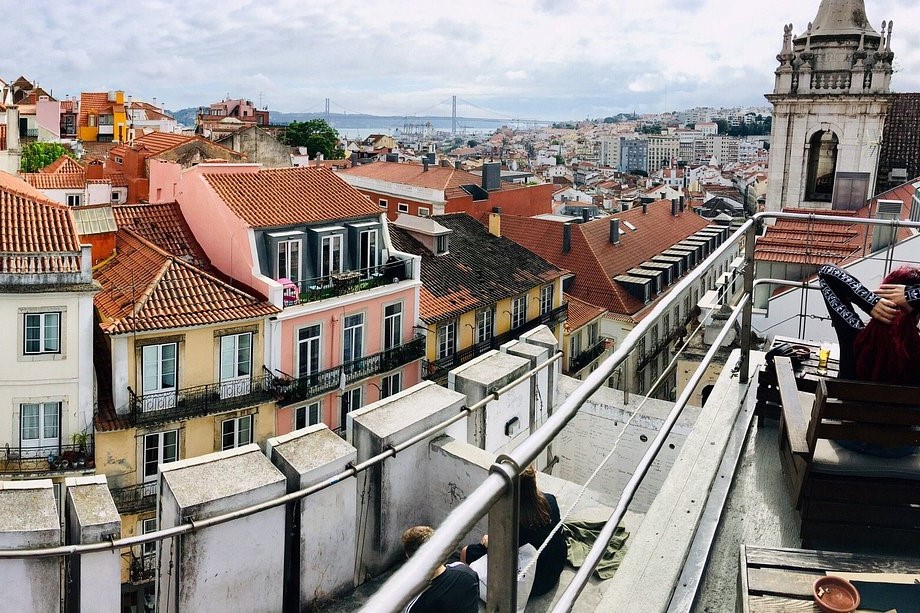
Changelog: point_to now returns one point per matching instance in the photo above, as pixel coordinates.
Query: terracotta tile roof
(900, 143)
(58, 180)
(164, 226)
(815, 242)
(117, 179)
(437, 177)
(160, 142)
(594, 260)
(92, 101)
(95, 149)
(167, 292)
(580, 312)
(286, 196)
(32, 225)
(64, 164)
(478, 270)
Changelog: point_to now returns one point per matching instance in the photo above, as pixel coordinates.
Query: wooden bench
(845, 495)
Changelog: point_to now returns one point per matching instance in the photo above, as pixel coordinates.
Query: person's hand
(884, 311)
(894, 293)
(484, 541)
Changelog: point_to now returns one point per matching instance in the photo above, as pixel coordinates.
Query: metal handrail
(413, 576)
(346, 282)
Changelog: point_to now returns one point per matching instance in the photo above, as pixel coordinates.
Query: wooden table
(781, 579)
(768, 404)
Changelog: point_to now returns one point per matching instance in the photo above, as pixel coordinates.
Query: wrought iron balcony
(189, 402)
(438, 369)
(56, 458)
(347, 282)
(135, 498)
(291, 390)
(587, 356)
(143, 568)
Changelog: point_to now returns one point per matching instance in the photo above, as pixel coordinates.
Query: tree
(560, 161)
(36, 156)
(472, 143)
(317, 136)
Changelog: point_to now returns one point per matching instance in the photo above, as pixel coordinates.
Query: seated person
(887, 349)
(453, 588)
(539, 514)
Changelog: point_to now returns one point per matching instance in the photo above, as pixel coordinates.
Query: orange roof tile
(594, 260)
(144, 288)
(97, 102)
(31, 225)
(159, 142)
(437, 177)
(164, 226)
(285, 196)
(59, 180)
(580, 312)
(65, 164)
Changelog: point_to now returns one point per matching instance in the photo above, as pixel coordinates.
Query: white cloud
(523, 58)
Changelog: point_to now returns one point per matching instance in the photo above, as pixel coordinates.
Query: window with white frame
(402, 207)
(594, 333)
(392, 325)
(546, 299)
(40, 424)
(441, 244)
(235, 364)
(74, 199)
(159, 448)
(159, 376)
(308, 415)
(424, 211)
(147, 526)
(351, 401)
(383, 203)
(368, 252)
(447, 338)
(41, 333)
(484, 325)
(518, 311)
(574, 346)
(330, 260)
(289, 260)
(308, 347)
(353, 342)
(236, 432)
(391, 384)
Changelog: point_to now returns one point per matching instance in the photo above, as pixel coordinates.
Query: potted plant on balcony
(80, 440)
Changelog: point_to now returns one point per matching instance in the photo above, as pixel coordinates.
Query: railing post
(503, 535)
(747, 312)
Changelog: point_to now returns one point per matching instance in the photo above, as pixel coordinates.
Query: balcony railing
(343, 283)
(56, 458)
(588, 355)
(438, 369)
(135, 498)
(143, 568)
(196, 401)
(292, 390)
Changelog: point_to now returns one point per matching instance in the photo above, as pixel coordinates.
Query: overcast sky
(546, 59)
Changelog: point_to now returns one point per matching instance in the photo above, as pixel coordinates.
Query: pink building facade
(321, 251)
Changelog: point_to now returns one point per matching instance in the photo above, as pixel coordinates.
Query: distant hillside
(344, 122)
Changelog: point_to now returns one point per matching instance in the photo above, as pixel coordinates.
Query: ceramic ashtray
(835, 595)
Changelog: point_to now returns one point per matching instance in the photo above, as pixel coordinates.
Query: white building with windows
(46, 314)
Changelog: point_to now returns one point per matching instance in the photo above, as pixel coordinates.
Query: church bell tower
(830, 101)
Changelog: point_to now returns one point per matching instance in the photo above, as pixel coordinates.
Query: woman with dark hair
(539, 514)
(887, 349)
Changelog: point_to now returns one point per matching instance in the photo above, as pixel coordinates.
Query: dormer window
(331, 255)
(441, 244)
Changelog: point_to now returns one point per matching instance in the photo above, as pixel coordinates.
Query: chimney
(432, 157)
(94, 170)
(615, 231)
(585, 215)
(12, 128)
(424, 164)
(491, 176)
(674, 207)
(566, 238)
(354, 159)
(457, 165)
(495, 221)
(645, 208)
(681, 204)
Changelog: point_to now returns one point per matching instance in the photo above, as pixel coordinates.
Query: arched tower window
(822, 165)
